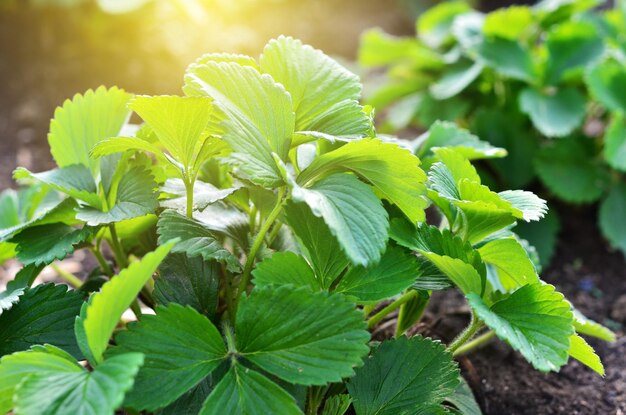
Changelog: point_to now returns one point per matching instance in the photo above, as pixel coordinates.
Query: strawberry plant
(539, 81)
(259, 229)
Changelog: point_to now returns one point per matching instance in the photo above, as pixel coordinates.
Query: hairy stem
(466, 334)
(377, 318)
(475, 343)
(258, 242)
(68, 277)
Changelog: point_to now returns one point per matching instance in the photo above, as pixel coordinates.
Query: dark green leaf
(612, 219)
(554, 115)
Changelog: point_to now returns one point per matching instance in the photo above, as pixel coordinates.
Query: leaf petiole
(377, 318)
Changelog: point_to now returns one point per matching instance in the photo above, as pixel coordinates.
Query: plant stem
(377, 318)
(104, 265)
(136, 309)
(189, 196)
(258, 242)
(476, 343)
(68, 277)
(466, 334)
(314, 398)
(116, 247)
(274, 233)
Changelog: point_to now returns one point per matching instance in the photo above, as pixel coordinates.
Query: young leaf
(615, 142)
(244, 391)
(586, 326)
(284, 268)
(404, 376)
(514, 268)
(507, 57)
(308, 75)
(41, 245)
(181, 347)
(581, 351)
(99, 392)
(611, 218)
(107, 306)
(554, 115)
(80, 123)
(44, 314)
(392, 170)
(195, 239)
(255, 128)
(188, 281)
(605, 81)
(396, 271)
(535, 320)
(352, 212)
(305, 338)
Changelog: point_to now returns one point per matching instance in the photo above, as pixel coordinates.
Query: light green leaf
(396, 271)
(572, 46)
(44, 314)
(580, 350)
(513, 267)
(195, 239)
(41, 245)
(188, 281)
(394, 172)
(204, 194)
(535, 320)
(181, 347)
(73, 180)
(584, 325)
(99, 392)
(107, 306)
(555, 115)
(80, 123)
(612, 219)
(456, 79)
(39, 360)
(352, 212)
(284, 268)
(136, 197)
(605, 82)
(404, 376)
(508, 57)
(566, 168)
(433, 26)
(246, 392)
(615, 142)
(532, 207)
(305, 338)
(459, 166)
(317, 243)
(510, 23)
(447, 134)
(324, 94)
(255, 128)
(378, 48)
(121, 144)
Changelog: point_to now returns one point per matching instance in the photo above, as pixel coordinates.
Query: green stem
(136, 309)
(116, 247)
(274, 233)
(189, 183)
(258, 242)
(476, 343)
(68, 277)
(314, 399)
(104, 265)
(466, 334)
(377, 318)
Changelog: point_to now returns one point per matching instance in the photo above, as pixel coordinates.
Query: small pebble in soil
(618, 312)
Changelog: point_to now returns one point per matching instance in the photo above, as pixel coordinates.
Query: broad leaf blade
(581, 351)
(284, 268)
(554, 115)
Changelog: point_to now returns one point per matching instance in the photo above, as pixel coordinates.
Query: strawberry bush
(259, 229)
(543, 82)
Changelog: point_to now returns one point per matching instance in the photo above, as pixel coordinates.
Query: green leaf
(74, 180)
(190, 403)
(80, 123)
(580, 350)
(39, 360)
(455, 258)
(107, 306)
(204, 194)
(567, 168)
(99, 392)
(181, 347)
(284, 268)
(433, 26)
(463, 399)
(394, 172)
(615, 142)
(246, 392)
(513, 267)
(16, 287)
(456, 79)
(305, 338)
(571, 46)
(121, 144)
(188, 281)
(255, 128)
(378, 48)
(396, 271)
(136, 197)
(317, 243)
(532, 207)
(324, 94)
(605, 82)
(44, 314)
(459, 166)
(510, 23)
(586, 326)
(611, 217)
(195, 239)
(508, 57)
(555, 115)
(535, 320)
(337, 405)
(352, 212)
(41, 245)
(404, 376)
